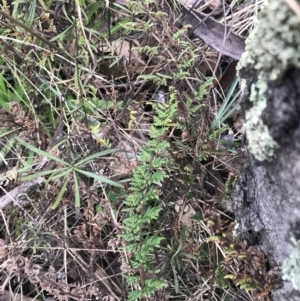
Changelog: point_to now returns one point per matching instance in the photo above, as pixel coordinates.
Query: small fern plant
(142, 205)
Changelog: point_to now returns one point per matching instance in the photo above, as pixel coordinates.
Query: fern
(154, 78)
(148, 50)
(142, 206)
(5, 6)
(145, 188)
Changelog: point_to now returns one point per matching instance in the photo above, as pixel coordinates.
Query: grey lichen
(274, 45)
(291, 266)
(272, 48)
(261, 144)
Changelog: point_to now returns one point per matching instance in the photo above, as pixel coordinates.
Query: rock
(266, 198)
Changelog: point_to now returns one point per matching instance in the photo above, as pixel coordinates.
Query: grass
(117, 110)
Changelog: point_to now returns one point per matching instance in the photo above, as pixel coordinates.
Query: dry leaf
(191, 3)
(16, 109)
(213, 32)
(186, 214)
(8, 176)
(185, 135)
(239, 124)
(125, 49)
(214, 4)
(124, 165)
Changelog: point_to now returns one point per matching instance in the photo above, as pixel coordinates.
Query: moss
(272, 48)
(291, 266)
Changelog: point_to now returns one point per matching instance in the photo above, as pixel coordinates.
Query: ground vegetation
(121, 139)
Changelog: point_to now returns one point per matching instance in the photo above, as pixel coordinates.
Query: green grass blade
(228, 114)
(31, 13)
(176, 282)
(61, 174)
(76, 191)
(3, 94)
(116, 28)
(3, 90)
(4, 104)
(60, 195)
(227, 108)
(231, 90)
(121, 7)
(57, 93)
(102, 179)
(97, 155)
(62, 35)
(41, 152)
(45, 173)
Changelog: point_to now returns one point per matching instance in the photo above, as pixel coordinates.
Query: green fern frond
(145, 188)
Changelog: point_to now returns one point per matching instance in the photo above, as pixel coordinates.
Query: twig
(294, 6)
(15, 194)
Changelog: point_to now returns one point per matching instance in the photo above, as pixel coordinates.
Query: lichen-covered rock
(272, 49)
(266, 206)
(267, 196)
(291, 266)
(273, 46)
(261, 143)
